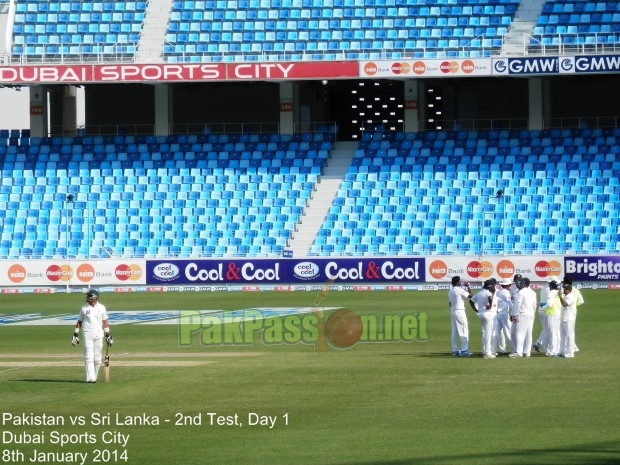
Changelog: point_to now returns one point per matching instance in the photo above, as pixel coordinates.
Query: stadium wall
(300, 274)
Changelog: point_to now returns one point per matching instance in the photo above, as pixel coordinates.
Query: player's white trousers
(543, 338)
(567, 343)
(92, 356)
(553, 334)
(503, 331)
(460, 331)
(525, 325)
(487, 319)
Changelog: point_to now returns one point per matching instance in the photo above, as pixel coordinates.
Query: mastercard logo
(438, 269)
(467, 66)
(59, 273)
(419, 67)
(85, 272)
(544, 268)
(400, 68)
(370, 69)
(449, 67)
(128, 272)
(506, 269)
(16, 273)
(478, 269)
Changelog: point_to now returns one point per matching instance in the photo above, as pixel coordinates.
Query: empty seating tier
(425, 193)
(54, 29)
(577, 24)
(437, 192)
(242, 30)
(177, 196)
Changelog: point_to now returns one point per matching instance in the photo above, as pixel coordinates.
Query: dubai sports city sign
(293, 70)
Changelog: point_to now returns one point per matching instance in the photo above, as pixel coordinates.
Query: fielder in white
(485, 303)
(514, 292)
(542, 316)
(460, 328)
(93, 321)
(553, 311)
(577, 295)
(503, 325)
(523, 313)
(569, 316)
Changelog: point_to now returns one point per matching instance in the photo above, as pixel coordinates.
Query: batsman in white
(93, 321)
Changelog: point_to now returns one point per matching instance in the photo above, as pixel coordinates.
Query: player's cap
(488, 284)
(506, 282)
(526, 281)
(518, 276)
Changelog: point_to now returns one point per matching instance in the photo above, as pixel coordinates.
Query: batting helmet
(92, 295)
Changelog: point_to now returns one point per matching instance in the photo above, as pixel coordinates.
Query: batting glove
(75, 341)
(109, 339)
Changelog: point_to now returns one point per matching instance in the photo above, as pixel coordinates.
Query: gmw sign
(522, 66)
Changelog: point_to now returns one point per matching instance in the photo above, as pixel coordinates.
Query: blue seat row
(578, 6)
(74, 6)
(605, 18)
(52, 19)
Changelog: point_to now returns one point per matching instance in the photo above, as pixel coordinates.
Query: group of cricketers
(507, 311)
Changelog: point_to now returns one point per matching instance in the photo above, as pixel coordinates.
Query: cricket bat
(323, 291)
(321, 344)
(106, 366)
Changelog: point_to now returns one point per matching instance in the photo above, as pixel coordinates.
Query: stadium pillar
(287, 107)
(537, 103)
(412, 105)
(63, 109)
(38, 111)
(162, 109)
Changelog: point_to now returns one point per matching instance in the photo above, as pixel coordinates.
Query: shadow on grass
(604, 453)
(46, 381)
(429, 355)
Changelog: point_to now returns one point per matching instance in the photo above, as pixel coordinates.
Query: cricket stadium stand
(430, 192)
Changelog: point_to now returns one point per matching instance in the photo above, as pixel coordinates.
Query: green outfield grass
(389, 403)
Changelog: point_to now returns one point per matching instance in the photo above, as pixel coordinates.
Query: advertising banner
(593, 268)
(426, 68)
(72, 273)
(284, 271)
(590, 64)
(368, 270)
(526, 66)
(169, 72)
(534, 267)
